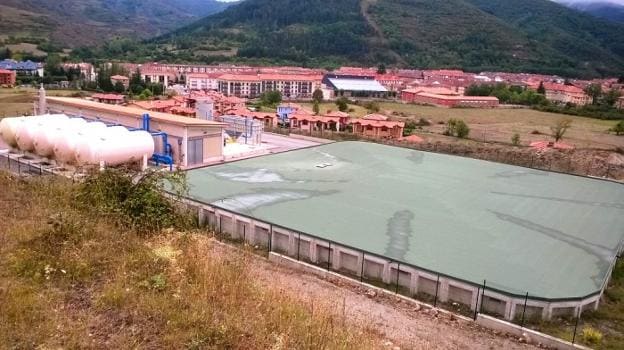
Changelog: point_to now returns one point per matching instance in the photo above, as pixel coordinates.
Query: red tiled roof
(155, 104)
(378, 123)
(314, 118)
(275, 77)
(337, 114)
(119, 77)
(563, 88)
(380, 117)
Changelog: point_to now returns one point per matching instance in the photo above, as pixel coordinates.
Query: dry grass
(71, 279)
(500, 124)
(18, 101)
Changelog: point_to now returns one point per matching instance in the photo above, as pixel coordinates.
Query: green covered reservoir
(552, 235)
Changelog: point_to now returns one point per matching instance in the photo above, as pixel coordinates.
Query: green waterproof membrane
(551, 235)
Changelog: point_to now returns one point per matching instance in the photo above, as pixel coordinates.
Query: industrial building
(191, 142)
(539, 242)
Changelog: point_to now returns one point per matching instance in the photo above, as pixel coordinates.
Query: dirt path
(403, 324)
(382, 41)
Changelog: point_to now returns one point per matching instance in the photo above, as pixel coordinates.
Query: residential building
(202, 81)
(284, 110)
(310, 122)
(23, 67)
(561, 93)
(111, 99)
(160, 77)
(620, 103)
(269, 119)
(252, 86)
(7, 78)
(87, 71)
(122, 79)
(377, 126)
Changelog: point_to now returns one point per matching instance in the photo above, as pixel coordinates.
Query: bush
(536, 132)
(591, 335)
(515, 139)
(457, 128)
(618, 128)
(135, 199)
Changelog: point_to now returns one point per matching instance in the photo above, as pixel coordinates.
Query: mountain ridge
(532, 35)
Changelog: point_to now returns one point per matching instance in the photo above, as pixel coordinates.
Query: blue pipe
(166, 157)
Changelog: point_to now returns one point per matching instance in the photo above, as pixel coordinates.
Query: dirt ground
(404, 325)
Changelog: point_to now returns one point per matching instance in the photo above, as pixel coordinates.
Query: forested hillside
(72, 23)
(528, 35)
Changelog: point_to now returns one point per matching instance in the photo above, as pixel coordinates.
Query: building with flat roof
(447, 99)
(354, 86)
(194, 142)
(7, 78)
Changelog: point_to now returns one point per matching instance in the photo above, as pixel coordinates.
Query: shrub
(457, 128)
(515, 139)
(591, 335)
(134, 199)
(536, 132)
(618, 128)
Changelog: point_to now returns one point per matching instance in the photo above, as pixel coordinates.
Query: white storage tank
(45, 134)
(29, 129)
(88, 150)
(65, 146)
(8, 127)
(115, 148)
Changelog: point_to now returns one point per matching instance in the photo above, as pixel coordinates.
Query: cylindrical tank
(27, 131)
(118, 149)
(45, 133)
(65, 146)
(8, 127)
(88, 150)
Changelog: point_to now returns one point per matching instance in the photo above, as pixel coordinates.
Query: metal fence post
(220, 231)
(576, 326)
(435, 298)
(396, 290)
(298, 245)
(482, 295)
(244, 234)
(270, 238)
(526, 298)
(329, 256)
(362, 269)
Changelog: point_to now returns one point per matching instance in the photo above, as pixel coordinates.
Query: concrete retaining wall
(412, 281)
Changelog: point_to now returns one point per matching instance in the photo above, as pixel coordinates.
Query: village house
(111, 99)
(309, 122)
(561, 93)
(620, 103)
(7, 78)
(377, 126)
(87, 71)
(269, 119)
(120, 78)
